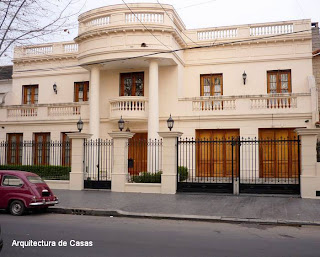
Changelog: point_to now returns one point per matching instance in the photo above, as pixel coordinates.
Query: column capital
(153, 60)
(307, 131)
(78, 135)
(95, 66)
(170, 134)
(121, 134)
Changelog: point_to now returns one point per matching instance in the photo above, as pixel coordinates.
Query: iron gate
(265, 166)
(200, 168)
(98, 158)
(270, 166)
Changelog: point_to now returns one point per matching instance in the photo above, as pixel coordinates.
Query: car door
(1, 194)
(11, 187)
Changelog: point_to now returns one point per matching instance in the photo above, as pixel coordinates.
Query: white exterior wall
(179, 76)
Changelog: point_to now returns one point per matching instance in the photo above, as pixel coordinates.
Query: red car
(20, 190)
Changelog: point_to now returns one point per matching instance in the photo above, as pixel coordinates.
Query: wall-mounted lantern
(244, 76)
(170, 123)
(121, 124)
(80, 124)
(55, 88)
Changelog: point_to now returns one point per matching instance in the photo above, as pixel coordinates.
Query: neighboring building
(111, 70)
(5, 81)
(316, 54)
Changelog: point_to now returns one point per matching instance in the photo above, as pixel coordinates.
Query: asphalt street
(91, 236)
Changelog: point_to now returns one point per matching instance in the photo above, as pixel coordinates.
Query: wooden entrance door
(41, 149)
(214, 152)
(14, 153)
(138, 153)
(278, 154)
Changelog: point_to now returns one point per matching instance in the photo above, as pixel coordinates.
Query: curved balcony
(129, 107)
(117, 16)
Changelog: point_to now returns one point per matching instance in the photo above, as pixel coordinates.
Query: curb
(220, 219)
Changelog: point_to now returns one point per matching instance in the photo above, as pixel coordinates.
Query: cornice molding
(49, 73)
(188, 64)
(246, 117)
(202, 118)
(44, 58)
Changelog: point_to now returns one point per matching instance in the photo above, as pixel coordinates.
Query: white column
(153, 118)
(310, 168)
(77, 164)
(169, 162)
(120, 160)
(94, 88)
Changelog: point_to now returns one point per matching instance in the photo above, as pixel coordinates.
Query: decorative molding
(307, 131)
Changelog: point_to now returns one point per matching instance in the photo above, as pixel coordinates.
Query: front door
(214, 152)
(278, 155)
(15, 144)
(138, 153)
(42, 149)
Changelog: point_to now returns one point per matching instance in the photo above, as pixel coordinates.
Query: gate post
(310, 169)
(169, 161)
(235, 176)
(77, 160)
(120, 160)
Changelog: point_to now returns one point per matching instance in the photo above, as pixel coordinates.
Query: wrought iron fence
(270, 165)
(50, 160)
(206, 165)
(98, 158)
(257, 165)
(145, 160)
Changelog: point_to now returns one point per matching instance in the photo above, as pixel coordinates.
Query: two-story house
(143, 64)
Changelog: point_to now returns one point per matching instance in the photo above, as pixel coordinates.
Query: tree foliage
(30, 21)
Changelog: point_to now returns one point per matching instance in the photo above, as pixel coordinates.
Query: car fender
(20, 198)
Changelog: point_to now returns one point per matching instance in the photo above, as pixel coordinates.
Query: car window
(13, 181)
(35, 179)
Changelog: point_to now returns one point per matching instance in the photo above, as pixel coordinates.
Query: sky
(213, 13)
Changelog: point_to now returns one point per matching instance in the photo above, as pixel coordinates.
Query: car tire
(17, 208)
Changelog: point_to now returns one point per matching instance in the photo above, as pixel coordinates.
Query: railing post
(120, 160)
(310, 168)
(169, 162)
(77, 160)
(235, 178)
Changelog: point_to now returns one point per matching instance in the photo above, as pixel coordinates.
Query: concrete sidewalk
(210, 207)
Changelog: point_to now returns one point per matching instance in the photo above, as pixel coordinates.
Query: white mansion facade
(250, 80)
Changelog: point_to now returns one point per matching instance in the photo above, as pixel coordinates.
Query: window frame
(134, 76)
(33, 94)
(212, 76)
(86, 93)
(278, 80)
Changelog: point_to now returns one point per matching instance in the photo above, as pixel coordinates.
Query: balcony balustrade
(217, 34)
(46, 50)
(144, 17)
(248, 104)
(158, 18)
(274, 102)
(45, 111)
(134, 108)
